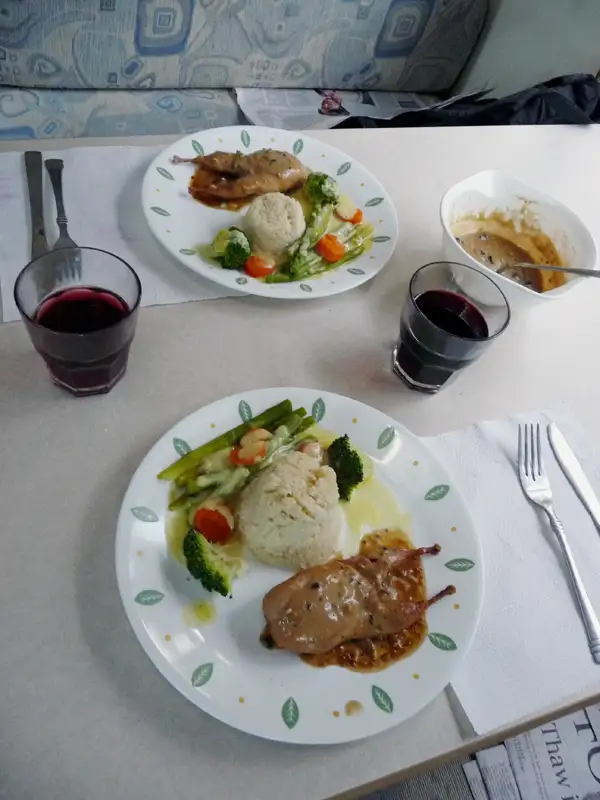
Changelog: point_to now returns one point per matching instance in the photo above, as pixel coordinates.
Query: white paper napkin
(102, 191)
(530, 650)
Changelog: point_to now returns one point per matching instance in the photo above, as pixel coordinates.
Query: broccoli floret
(347, 464)
(209, 564)
(230, 246)
(322, 190)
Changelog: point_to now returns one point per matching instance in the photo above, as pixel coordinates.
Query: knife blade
(574, 472)
(33, 170)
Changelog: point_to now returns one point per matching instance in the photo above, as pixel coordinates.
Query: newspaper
(497, 774)
(475, 780)
(318, 109)
(559, 760)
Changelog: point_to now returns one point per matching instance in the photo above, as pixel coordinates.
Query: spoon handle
(587, 273)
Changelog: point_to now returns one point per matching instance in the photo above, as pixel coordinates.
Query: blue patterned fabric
(412, 45)
(207, 46)
(60, 113)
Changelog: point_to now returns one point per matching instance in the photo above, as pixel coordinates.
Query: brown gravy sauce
(372, 655)
(496, 240)
(215, 202)
(352, 708)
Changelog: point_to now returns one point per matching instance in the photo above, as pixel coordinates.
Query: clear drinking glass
(80, 308)
(452, 314)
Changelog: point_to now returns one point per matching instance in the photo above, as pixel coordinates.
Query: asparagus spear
(306, 423)
(355, 238)
(317, 225)
(178, 501)
(226, 482)
(228, 439)
(183, 500)
(292, 423)
(191, 475)
(297, 412)
(318, 266)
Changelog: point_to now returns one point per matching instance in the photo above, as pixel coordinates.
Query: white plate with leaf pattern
(221, 666)
(181, 223)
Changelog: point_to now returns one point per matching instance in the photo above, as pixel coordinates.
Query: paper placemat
(530, 651)
(102, 193)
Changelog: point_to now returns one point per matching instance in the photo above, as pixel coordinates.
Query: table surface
(84, 713)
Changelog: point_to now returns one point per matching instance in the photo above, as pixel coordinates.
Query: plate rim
(176, 680)
(254, 287)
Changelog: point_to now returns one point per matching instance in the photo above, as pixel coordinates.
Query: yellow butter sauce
(202, 612)
(176, 529)
(372, 506)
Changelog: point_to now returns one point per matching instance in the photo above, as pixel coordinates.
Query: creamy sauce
(202, 612)
(497, 240)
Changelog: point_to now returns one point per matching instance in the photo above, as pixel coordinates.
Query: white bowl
(491, 191)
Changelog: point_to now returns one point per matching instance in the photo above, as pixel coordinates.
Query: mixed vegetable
(210, 564)
(230, 248)
(206, 481)
(335, 234)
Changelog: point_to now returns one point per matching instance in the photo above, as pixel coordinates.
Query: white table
(83, 713)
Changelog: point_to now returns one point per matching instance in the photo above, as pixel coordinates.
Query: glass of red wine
(452, 314)
(81, 315)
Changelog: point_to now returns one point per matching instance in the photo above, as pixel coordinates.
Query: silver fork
(71, 267)
(536, 486)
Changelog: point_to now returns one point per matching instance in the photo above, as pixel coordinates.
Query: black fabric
(570, 99)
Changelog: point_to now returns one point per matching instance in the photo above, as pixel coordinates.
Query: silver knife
(574, 472)
(33, 170)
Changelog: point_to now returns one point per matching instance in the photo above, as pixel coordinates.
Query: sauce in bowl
(496, 240)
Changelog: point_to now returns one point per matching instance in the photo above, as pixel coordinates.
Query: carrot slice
(330, 248)
(358, 217)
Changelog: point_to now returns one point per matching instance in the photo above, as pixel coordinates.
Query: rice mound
(289, 514)
(273, 221)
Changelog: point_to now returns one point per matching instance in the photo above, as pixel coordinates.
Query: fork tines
(530, 450)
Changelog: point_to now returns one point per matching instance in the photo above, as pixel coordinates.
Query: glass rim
(448, 333)
(33, 261)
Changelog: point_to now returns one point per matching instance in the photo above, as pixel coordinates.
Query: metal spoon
(586, 273)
